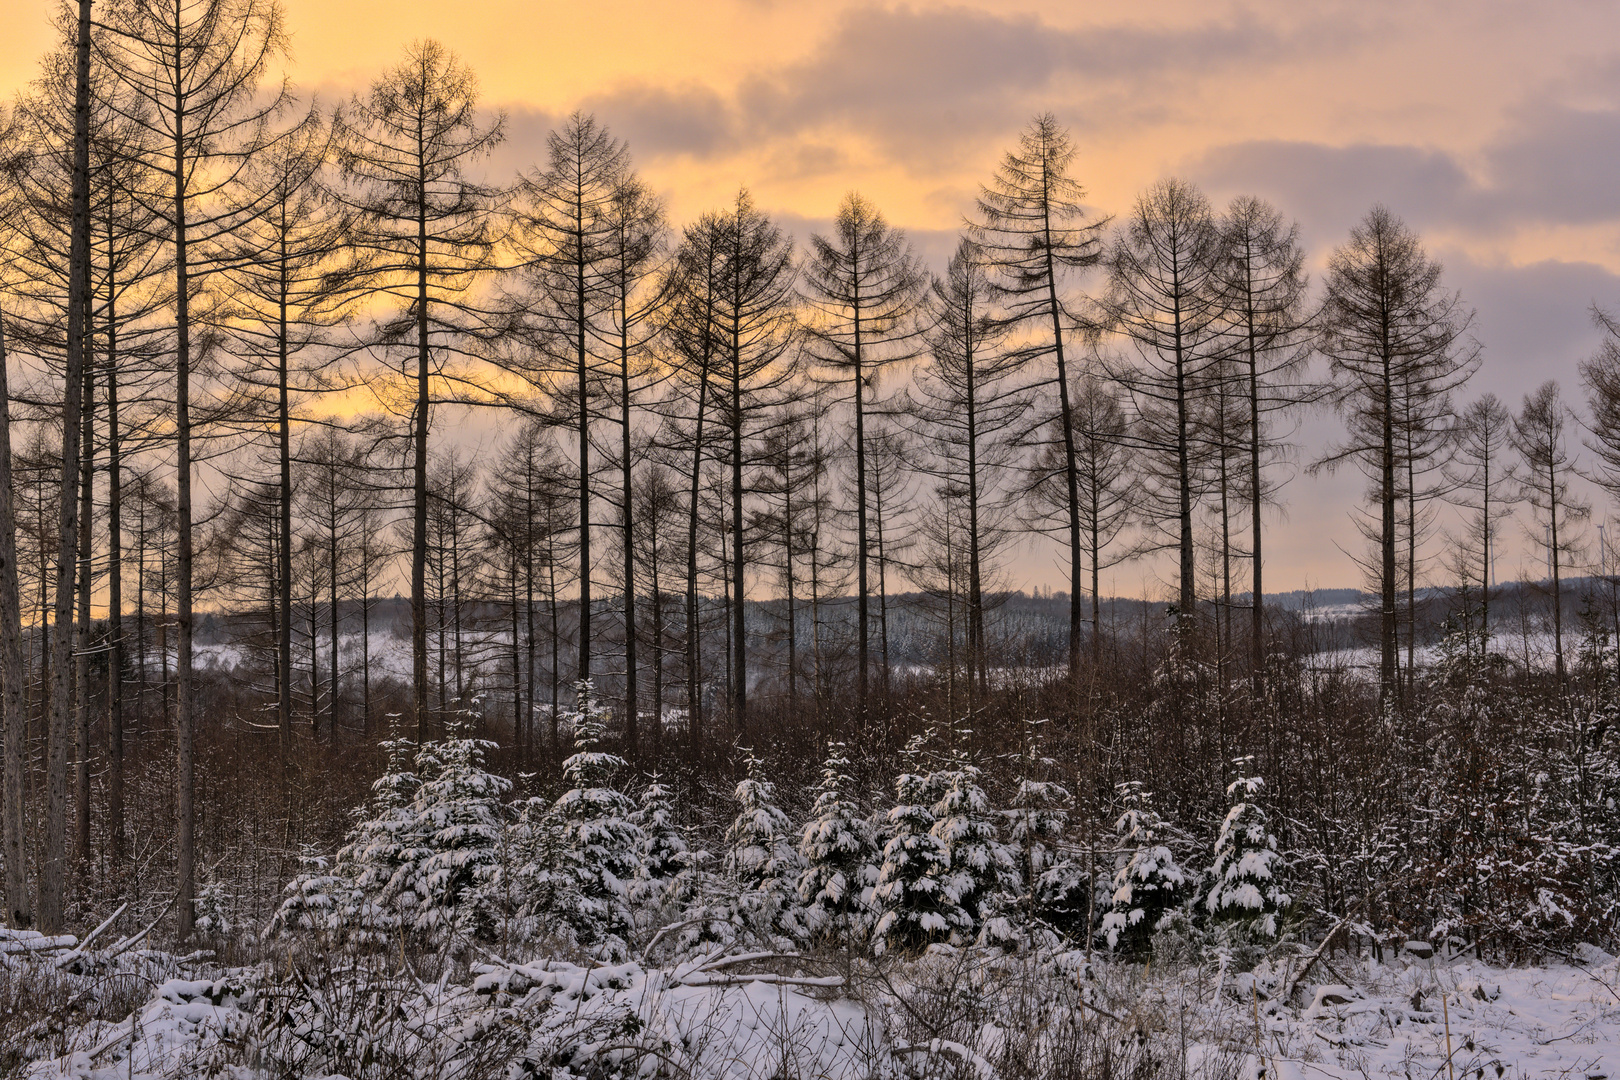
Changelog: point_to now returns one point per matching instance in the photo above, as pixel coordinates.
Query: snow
(714, 1015)
(708, 1017)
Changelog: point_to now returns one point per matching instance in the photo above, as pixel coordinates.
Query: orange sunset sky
(1492, 127)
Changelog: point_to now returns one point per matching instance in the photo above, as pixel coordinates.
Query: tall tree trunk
(1557, 584)
(739, 642)
(975, 612)
(862, 586)
(1257, 646)
(13, 710)
(284, 704)
(81, 661)
(185, 691)
(332, 599)
(1388, 627)
(419, 672)
(631, 698)
(52, 885)
(583, 375)
(1071, 475)
(115, 602)
(787, 562)
(694, 657)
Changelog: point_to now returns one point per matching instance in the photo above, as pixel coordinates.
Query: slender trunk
(787, 564)
(81, 663)
(13, 711)
(332, 596)
(1557, 584)
(1485, 557)
(284, 705)
(1257, 657)
(51, 889)
(1184, 472)
(1411, 559)
(419, 488)
(739, 644)
(516, 654)
(528, 613)
(556, 642)
(583, 376)
(975, 612)
(115, 602)
(1096, 575)
(365, 646)
(694, 659)
(630, 695)
(862, 588)
(1071, 473)
(883, 591)
(1386, 500)
(185, 691)
(658, 651)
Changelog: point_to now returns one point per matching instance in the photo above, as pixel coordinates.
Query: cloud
(1552, 166)
(659, 121)
(923, 88)
(1533, 320)
(923, 84)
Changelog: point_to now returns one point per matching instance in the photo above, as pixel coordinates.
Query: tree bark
(52, 885)
(13, 711)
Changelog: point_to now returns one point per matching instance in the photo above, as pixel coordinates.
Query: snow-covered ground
(748, 1016)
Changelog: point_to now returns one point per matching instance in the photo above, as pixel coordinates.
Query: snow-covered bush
(318, 899)
(426, 860)
(1247, 895)
(838, 850)
(1149, 885)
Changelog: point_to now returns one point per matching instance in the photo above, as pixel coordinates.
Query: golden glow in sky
(1491, 126)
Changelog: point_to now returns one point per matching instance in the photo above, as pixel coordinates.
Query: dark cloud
(1553, 165)
(1533, 320)
(924, 84)
(1329, 188)
(525, 145)
(1558, 165)
(927, 86)
(667, 121)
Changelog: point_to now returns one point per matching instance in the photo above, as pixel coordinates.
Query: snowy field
(742, 1016)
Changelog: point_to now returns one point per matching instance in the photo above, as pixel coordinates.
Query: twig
(1293, 983)
(129, 942)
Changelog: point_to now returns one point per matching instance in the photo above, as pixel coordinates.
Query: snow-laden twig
(84, 945)
(1293, 983)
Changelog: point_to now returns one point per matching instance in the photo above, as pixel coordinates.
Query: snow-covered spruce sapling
(761, 858)
(1148, 883)
(1247, 894)
(318, 900)
(840, 857)
(915, 896)
(982, 868)
(360, 896)
(664, 852)
(601, 842)
(212, 908)
(1055, 889)
(458, 810)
